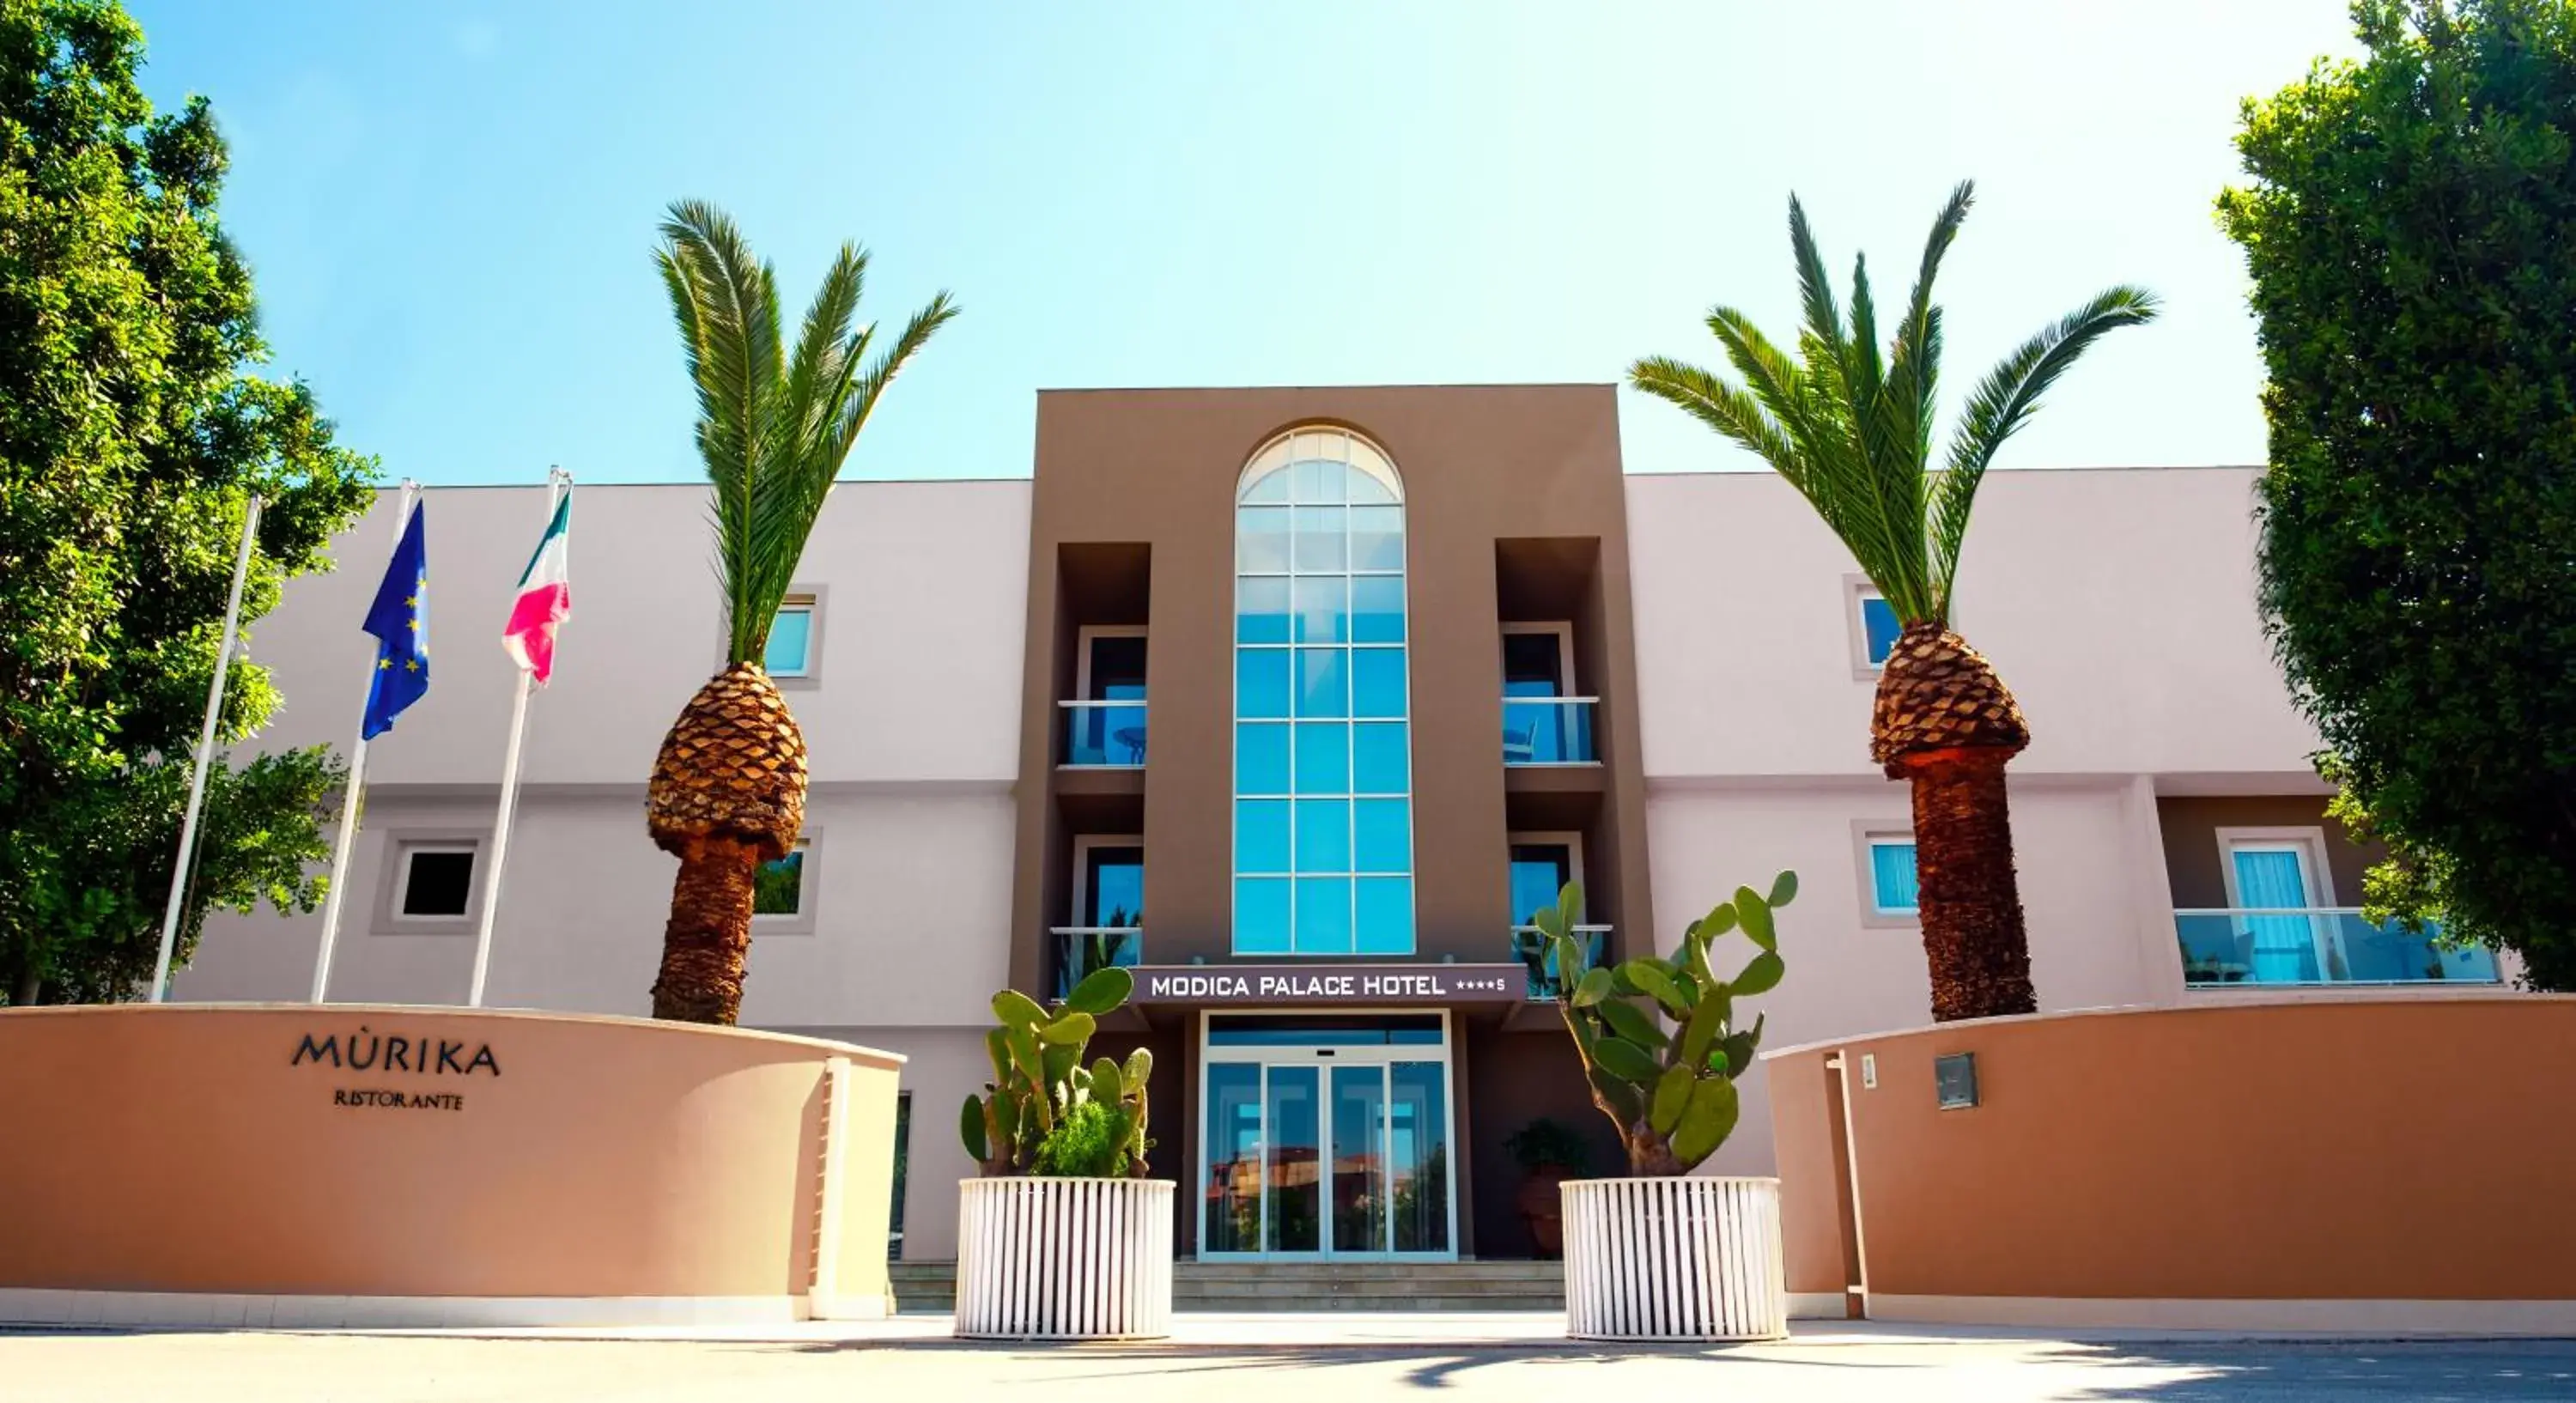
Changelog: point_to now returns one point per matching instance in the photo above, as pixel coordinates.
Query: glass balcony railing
(1548, 731)
(1079, 950)
(1546, 981)
(2318, 946)
(1108, 734)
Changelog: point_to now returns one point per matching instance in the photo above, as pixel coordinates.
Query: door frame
(2307, 843)
(1345, 1055)
(1571, 841)
(1088, 634)
(1084, 918)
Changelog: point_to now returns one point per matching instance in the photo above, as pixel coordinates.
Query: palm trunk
(709, 935)
(1973, 935)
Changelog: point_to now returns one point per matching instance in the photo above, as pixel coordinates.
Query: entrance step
(1307, 1286)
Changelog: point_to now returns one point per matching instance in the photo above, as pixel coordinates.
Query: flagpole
(348, 835)
(205, 754)
(555, 481)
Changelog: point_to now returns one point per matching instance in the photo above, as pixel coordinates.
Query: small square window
(437, 881)
(1892, 890)
(791, 639)
(778, 888)
(1878, 627)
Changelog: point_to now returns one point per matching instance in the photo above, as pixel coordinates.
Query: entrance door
(1327, 1138)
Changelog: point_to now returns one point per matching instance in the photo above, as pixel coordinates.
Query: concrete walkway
(1256, 1359)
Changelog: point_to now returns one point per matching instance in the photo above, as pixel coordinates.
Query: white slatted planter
(1064, 1259)
(1674, 1259)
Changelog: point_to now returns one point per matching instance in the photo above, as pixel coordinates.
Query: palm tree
(728, 789)
(1852, 432)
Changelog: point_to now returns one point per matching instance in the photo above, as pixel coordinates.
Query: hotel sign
(1326, 985)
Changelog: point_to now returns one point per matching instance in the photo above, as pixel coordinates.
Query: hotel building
(1337, 684)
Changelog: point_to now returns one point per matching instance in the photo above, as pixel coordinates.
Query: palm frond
(1850, 427)
(773, 430)
(2004, 401)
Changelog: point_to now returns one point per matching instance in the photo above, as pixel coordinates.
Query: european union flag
(400, 622)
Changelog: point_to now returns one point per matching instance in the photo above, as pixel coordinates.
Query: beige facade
(2118, 605)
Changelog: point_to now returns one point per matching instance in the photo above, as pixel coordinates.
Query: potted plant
(1662, 1046)
(1549, 1153)
(1063, 1237)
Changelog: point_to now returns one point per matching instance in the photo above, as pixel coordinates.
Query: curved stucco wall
(235, 1149)
(2410, 1152)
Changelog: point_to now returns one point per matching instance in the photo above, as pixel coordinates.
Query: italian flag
(545, 597)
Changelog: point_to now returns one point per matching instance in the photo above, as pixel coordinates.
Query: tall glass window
(1323, 807)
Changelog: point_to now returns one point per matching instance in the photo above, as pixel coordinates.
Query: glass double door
(1339, 1152)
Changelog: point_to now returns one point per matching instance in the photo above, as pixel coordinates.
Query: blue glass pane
(1878, 623)
(1271, 486)
(1323, 757)
(1321, 539)
(1323, 685)
(1891, 876)
(1323, 835)
(1323, 609)
(1385, 916)
(1261, 609)
(1377, 538)
(1378, 760)
(1260, 758)
(1261, 916)
(1260, 835)
(1377, 682)
(1261, 540)
(1318, 480)
(1377, 609)
(1261, 682)
(1538, 877)
(789, 636)
(1365, 489)
(1382, 835)
(1323, 916)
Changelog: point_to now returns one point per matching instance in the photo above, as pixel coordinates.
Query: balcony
(1546, 982)
(1103, 735)
(1549, 731)
(1081, 950)
(2317, 947)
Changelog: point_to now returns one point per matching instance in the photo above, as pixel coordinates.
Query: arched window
(1323, 807)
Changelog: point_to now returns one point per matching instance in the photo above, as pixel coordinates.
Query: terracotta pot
(1543, 1209)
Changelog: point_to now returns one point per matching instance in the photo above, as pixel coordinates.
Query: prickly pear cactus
(1039, 1078)
(1658, 1036)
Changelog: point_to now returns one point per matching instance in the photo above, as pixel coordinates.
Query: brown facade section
(2194, 862)
(1507, 488)
(1515, 513)
(2372, 1149)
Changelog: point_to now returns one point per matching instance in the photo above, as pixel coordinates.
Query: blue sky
(450, 207)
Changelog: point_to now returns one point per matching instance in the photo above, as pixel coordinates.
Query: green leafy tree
(2410, 226)
(1849, 423)
(131, 439)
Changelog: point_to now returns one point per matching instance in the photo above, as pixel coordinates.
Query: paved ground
(1215, 1362)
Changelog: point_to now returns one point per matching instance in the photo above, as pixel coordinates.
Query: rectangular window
(437, 881)
(1891, 877)
(1878, 626)
(778, 888)
(791, 638)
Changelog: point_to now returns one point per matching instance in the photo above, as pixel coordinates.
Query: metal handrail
(1126, 701)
